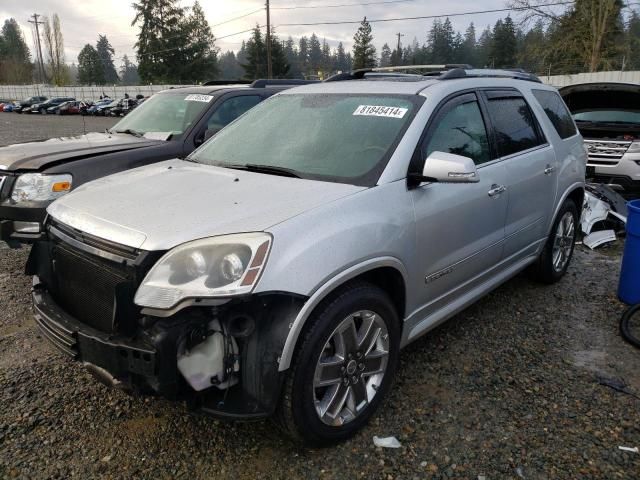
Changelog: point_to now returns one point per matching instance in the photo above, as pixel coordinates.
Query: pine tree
(90, 67)
(468, 49)
(161, 40)
(633, 42)
(129, 72)
(230, 68)
(364, 53)
(303, 55)
(106, 52)
(327, 64)
(341, 59)
(291, 54)
(256, 63)
(385, 56)
(201, 55)
(483, 49)
(15, 59)
(315, 55)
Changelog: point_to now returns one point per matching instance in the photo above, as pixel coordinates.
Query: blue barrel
(629, 287)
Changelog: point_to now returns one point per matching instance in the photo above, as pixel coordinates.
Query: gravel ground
(517, 386)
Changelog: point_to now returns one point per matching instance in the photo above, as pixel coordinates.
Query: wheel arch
(388, 273)
(574, 192)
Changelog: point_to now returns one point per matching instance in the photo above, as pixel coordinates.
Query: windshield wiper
(128, 131)
(268, 169)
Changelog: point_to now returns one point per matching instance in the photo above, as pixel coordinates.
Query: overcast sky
(83, 20)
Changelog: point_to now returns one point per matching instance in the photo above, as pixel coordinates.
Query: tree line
(176, 45)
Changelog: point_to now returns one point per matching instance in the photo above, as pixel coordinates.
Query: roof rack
(440, 72)
(262, 83)
(213, 83)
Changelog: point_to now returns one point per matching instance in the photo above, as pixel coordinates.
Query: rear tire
(344, 365)
(555, 258)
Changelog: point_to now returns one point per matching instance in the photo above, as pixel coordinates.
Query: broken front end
(219, 354)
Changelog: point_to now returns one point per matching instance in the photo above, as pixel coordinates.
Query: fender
(321, 293)
(573, 187)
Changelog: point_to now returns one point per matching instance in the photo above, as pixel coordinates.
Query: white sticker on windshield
(199, 98)
(158, 135)
(380, 111)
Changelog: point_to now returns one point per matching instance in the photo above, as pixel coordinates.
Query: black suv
(27, 102)
(170, 124)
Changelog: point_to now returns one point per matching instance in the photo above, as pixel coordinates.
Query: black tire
(543, 270)
(42, 111)
(296, 414)
(625, 325)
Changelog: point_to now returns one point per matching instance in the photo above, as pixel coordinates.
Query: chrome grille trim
(607, 152)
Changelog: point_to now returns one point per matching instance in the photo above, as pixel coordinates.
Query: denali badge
(437, 275)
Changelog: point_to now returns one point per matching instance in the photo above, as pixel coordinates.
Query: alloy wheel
(563, 242)
(351, 367)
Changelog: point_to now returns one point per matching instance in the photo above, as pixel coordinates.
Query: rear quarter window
(557, 111)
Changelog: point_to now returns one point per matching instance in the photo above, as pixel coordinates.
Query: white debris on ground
(598, 213)
(386, 442)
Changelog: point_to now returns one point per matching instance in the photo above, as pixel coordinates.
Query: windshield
(608, 116)
(339, 138)
(165, 113)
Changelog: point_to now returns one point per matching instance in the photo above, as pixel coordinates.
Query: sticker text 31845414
(380, 111)
(199, 98)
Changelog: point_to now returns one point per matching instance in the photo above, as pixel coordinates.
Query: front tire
(344, 365)
(555, 258)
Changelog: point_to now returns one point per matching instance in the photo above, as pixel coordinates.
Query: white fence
(565, 80)
(19, 92)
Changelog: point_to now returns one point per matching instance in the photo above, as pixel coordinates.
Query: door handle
(497, 190)
(549, 170)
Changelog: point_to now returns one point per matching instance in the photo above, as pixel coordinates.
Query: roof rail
(212, 83)
(397, 71)
(280, 82)
(516, 74)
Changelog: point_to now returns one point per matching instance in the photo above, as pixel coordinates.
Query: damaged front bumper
(145, 358)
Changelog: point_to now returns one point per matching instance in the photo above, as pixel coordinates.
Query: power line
(425, 17)
(296, 7)
(237, 18)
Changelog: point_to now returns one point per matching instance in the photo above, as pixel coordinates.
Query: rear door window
(516, 128)
(557, 112)
(231, 109)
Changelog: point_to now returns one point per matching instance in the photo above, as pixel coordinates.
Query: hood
(605, 96)
(41, 154)
(166, 204)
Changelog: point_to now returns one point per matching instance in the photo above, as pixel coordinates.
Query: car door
(459, 227)
(531, 166)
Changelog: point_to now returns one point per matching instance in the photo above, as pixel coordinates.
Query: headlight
(212, 267)
(36, 187)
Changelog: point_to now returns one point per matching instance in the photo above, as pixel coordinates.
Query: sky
(83, 20)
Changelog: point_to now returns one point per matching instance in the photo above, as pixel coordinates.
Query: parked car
(28, 102)
(8, 107)
(171, 124)
(69, 108)
(608, 117)
(45, 106)
(91, 110)
(4, 102)
(280, 269)
(105, 109)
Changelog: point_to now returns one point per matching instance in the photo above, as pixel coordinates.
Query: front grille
(92, 280)
(62, 338)
(606, 152)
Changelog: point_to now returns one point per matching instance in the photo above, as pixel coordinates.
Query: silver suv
(282, 267)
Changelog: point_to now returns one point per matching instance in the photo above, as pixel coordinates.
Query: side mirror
(449, 168)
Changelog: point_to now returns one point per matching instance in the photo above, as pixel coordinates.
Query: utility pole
(269, 64)
(399, 36)
(40, 63)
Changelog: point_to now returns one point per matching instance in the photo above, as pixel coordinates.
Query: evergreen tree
(129, 72)
(633, 42)
(230, 69)
(201, 55)
(483, 49)
(440, 41)
(303, 55)
(291, 54)
(364, 53)
(106, 52)
(315, 55)
(327, 63)
(15, 61)
(385, 56)
(90, 67)
(532, 48)
(469, 45)
(504, 47)
(342, 64)
(161, 40)
(256, 64)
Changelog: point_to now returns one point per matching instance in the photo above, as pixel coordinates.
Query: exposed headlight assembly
(208, 268)
(634, 148)
(36, 187)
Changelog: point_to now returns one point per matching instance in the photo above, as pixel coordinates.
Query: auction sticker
(199, 98)
(380, 111)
